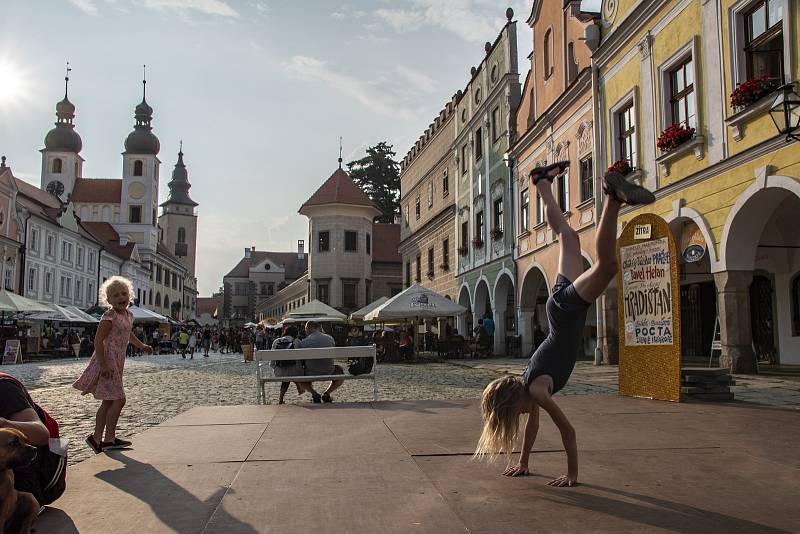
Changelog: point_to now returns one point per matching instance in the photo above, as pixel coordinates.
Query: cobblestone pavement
(160, 387)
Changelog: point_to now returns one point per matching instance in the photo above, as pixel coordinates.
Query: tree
(378, 175)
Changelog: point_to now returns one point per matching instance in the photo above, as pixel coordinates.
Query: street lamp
(785, 112)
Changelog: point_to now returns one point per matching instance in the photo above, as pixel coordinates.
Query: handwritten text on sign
(647, 293)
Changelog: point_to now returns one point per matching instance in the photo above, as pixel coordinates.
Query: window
(445, 185)
(446, 252)
(174, 280)
(408, 274)
(563, 192)
(166, 302)
(57, 163)
(48, 282)
(626, 130)
(587, 179)
(31, 279)
(479, 225)
(79, 289)
(66, 251)
(478, 144)
(158, 275)
(79, 257)
(419, 268)
(681, 100)
(90, 296)
(323, 295)
(91, 261)
(430, 261)
(572, 65)
(51, 245)
(270, 289)
(498, 214)
(416, 208)
(407, 217)
(324, 241)
(795, 298)
(369, 244)
(764, 40)
(464, 159)
(35, 240)
(524, 210)
(548, 53)
(66, 287)
(135, 214)
(539, 209)
(349, 293)
(368, 289)
(181, 235)
(496, 126)
(465, 234)
(138, 167)
(9, 278)
(351, 241)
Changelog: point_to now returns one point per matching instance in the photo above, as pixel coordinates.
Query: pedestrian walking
(192, 344)
(183, 342)
(206, 341)
(103, 375)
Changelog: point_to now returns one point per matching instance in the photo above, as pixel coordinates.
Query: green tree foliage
(378, 175)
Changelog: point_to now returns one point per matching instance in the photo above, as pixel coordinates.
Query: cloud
(346, 11)
(206, 7)
(87, 6)
(261, 8)
(419, 81)
(378, 96)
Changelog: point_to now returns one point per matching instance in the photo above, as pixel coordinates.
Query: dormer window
(57, 164)
(138, 168)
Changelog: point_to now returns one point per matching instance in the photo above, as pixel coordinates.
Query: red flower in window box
(477, 242)
(463, 251)
(622, 167)
(751, 91)
(496, 233)
(674, 136)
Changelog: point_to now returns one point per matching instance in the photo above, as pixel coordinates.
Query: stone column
(461, 324)
(441, 323)
(525, 329)
(733, 290)
(499, 318)
(608, 333)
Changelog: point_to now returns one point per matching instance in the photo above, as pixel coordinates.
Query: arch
(679, 211)
(504, 272)
(158, 299)
(746, 220)
(482, 299)
(138, 168)
(181, 235)
(57, 166)
(166, 302)
(464, 296)
(525, 287)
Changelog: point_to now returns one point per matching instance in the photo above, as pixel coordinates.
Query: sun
(13, 83)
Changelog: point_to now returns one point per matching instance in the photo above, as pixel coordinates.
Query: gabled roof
(293, 266)
(338, 189)
(105, 234)
(97, 190)
(385, 242)
(38, 202)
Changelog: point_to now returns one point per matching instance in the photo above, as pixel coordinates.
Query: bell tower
(178, 221)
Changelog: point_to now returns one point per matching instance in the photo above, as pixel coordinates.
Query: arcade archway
(532, 316)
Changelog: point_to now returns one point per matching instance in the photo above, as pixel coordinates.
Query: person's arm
(139, 345)
(27, 421)
(103, 329)
(568, 437)
(528, 439)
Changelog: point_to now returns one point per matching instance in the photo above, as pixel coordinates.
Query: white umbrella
(63, 313)
(11, 302)
(359, 315)
(415, 302)
(80, 313)
(143, 315)
(315, 311)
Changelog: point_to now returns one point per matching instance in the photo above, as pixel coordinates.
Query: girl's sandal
(546, 173)
(616, 186)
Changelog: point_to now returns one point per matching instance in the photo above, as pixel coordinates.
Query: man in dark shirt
(17, 412)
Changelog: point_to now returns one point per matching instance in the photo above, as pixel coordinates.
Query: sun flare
(12, 83)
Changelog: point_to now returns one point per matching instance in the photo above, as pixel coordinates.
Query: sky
(258, 90)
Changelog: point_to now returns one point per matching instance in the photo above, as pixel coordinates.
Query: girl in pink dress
(103, 376)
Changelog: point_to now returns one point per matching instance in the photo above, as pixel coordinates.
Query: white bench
(264, 371)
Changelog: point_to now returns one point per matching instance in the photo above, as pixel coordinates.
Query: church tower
(179, 220)
(140, 168)
(61, 160)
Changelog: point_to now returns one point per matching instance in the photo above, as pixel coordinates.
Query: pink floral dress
(116, 345)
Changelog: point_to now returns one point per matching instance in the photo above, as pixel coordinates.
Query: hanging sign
(11, 353)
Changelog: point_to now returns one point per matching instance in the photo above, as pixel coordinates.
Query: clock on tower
(55, 188)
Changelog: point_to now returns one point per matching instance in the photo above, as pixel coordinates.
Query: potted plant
(496, 233)
(430, 275)
(751, 91)
(477, 242)
(463, 251)
(674, 136)
(622, 167)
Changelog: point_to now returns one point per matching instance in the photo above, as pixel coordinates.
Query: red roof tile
(208, 305)
(44, 198)
(338, 189)
(97, 190)
(105, 234)
(385, 241)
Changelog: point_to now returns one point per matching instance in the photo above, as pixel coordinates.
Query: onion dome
(64, 137)
(179, 185)
(142, 140)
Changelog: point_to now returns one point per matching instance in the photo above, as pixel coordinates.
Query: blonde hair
(108, 286)
(501, 407)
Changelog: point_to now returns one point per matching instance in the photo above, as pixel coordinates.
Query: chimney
(248, 253)
(301, 247)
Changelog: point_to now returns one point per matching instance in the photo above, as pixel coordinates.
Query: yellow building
(730, 189)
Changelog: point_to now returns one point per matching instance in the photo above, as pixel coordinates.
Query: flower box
(751, 91)
(622, 166)
(463, 251)
(496, 233)
(477, 242)
(674, 136)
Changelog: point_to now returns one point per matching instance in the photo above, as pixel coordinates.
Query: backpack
(52, 466)
(360, 366)
(284, 343)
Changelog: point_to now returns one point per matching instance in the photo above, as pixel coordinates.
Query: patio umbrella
(11, 302)
(416, 302)
(63, 313)
(80, 313)
(315, 311)
(143, 315)
(359, 314)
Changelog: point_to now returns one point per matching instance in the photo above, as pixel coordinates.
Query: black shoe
(116, 444)
(316, 398)
(626, 192)
(546, 173)
(326, 397)
(90, 441)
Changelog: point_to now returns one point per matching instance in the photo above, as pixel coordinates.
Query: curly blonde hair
(109, 285)
(501, 407)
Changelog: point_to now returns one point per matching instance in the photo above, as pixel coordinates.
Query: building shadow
(149, 485)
